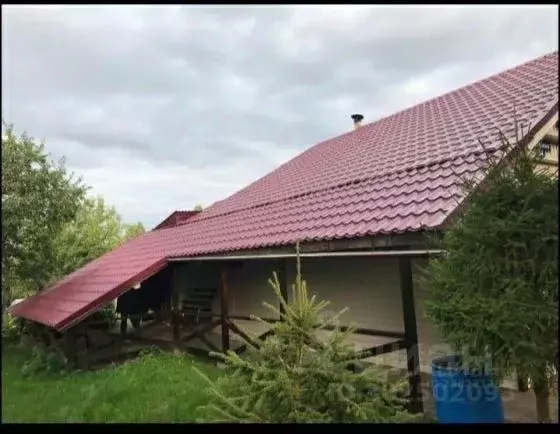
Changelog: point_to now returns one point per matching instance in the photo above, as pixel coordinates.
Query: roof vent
(357, 118)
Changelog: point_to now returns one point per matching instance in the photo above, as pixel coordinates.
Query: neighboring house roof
(175, 218)
(394, 175)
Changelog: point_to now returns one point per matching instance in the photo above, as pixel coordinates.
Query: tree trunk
(541, 394)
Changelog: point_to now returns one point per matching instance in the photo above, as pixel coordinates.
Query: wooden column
(224, 310)
(411, 335)
(175, 308)
(283, 280)
(522, 382)
(70, 349)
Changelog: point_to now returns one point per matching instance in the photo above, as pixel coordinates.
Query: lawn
(153, 388)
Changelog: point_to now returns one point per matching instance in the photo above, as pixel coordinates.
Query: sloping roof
(397, 174)
(175, 218)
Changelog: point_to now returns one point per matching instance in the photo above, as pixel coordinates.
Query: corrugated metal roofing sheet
(395, 175)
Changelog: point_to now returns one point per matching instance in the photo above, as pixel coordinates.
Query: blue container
(462, 396)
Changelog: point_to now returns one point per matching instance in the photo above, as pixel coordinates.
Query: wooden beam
(357, 331)
(381, 349)
(240, 349)
(196, 333)
(369, 332)
(208, 343)
(248, 318)
(224, 310)
(242, 334)
(283, 280)
(411, 335)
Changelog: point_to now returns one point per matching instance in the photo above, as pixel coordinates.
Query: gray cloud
(163, 107)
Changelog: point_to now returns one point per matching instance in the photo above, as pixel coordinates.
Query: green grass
(153, 388)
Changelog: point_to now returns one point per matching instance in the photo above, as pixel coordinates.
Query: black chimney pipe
(357, 118)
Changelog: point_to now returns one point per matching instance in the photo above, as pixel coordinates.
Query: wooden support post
(70, 350)
(283, 280)
(175, 309)
(224, 310)
(411, 335)
(522, 382)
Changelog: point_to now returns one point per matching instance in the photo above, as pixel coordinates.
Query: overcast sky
(161, 108)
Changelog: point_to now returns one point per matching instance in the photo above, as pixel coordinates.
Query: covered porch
(206, 312)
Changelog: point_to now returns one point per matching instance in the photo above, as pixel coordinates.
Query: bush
(294, 377)
(11, 327)
(494, 295)
(42, 359)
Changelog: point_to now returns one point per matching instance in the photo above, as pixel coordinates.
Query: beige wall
(368, 286)
(249, 288)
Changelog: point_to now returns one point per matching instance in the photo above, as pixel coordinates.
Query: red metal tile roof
(395, 175)
(175, 218)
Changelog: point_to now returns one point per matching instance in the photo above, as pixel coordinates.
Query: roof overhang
(404, 244)
(378, 253)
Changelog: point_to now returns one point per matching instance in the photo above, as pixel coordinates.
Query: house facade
(360, 205)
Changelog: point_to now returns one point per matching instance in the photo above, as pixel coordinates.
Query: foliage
(42, 359)
(154, 388)
(96, 229)
(49, 227)
(11, 327)
(198, 207)
(295, 377)
(39, 196)
(131, 231)
(494, 294)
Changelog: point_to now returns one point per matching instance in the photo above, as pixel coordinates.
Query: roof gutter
(379, 253)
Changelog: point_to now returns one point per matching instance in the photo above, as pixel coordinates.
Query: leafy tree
(295, 377)
(198, 207)
(39, 196)
(494, 294)
(132, 231)
(96, 229)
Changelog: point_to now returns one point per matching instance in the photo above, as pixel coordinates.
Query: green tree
(494, 294)
(198, 207)
(96, 229)
(295, 377)
(132, 231)
(39, 196)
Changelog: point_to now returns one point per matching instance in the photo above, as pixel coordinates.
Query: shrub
(294, 377)
(494, 294)
(11, 327)
(43, 359)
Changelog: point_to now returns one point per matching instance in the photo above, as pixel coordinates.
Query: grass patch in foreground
(154, 388)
